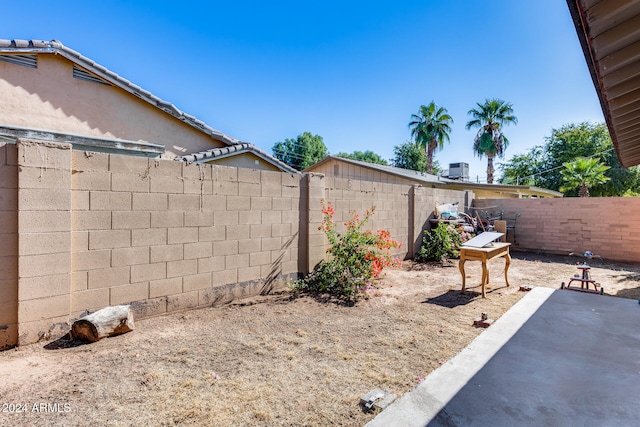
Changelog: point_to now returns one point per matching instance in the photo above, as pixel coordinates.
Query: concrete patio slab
(556, 358)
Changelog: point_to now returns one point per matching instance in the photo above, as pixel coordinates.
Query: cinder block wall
(606, 226)
(391, 202)
(169, 236)
(87, 230)
(425, 201)
(8, 245)
(44, 239)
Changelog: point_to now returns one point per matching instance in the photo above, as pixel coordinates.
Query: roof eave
(579, 19)
(84, 143)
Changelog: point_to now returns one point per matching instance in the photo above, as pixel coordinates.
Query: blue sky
(350, 71)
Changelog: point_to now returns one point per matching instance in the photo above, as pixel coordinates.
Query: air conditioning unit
(459, 171)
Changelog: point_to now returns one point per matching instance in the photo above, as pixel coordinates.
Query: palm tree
(583, 173)
(430, 129)
(490, 117)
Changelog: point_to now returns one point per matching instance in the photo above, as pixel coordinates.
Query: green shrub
(442, 242)
(356, 257)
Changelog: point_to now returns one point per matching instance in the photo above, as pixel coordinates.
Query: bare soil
(282, 359)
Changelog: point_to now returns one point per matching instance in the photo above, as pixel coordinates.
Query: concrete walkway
(555, 358)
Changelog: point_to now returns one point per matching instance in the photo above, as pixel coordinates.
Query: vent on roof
(81, 74)
(30, 61)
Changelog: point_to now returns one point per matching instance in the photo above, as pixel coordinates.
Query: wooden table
(484, 254)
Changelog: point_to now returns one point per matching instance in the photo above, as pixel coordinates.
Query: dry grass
(276, 360)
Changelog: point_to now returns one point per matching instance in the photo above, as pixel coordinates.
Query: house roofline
(234, 150)
(428, 178)
(439, 181)
(57, 48)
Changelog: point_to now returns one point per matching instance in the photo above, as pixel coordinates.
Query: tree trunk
(106, 322)
(489, 169)
(429, 159)
(584, 190)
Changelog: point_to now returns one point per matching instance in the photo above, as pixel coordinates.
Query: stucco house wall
(50, 98)
(246, 160)
(343, 170)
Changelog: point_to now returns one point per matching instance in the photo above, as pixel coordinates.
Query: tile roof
(243, 147)
(56, 47)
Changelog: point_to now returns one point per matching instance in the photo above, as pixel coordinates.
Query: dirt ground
(275, 360)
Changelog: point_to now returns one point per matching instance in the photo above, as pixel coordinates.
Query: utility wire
(559, 167)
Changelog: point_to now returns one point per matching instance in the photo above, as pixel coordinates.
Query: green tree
(586, 140)
(302, 152)
(430, 129)
(411, 156)
(565, 145)
(583, 173)
(367, 156)
(490, 118)
(524, 169)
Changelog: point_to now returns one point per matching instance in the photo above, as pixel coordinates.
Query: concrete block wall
(44, 239)
(391, 202)
(166, 236)
(87, 230)
(402, 209)
(606, 226)
(8, 245)
(425, 201)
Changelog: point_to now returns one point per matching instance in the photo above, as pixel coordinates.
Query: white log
(106, 322)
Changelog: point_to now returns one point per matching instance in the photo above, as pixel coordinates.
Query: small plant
(356, 257)
(442, 242)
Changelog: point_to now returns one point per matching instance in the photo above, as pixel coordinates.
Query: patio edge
(420, 405)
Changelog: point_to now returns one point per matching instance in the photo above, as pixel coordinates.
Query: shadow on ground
(452, 298)
(632, 293)
(63, 342)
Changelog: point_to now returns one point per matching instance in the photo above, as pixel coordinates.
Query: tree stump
(106, 322)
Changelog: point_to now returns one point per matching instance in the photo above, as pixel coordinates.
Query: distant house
(242, 155)
(339, 167)
(51, 92)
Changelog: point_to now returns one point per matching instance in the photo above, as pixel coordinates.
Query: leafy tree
(367, 156)
(570, 142)
(430, 129)
(409, 156)
(302, 152)
(524, 169)
(490, 118)
(583, 173)
(566, 144)
(584, 140)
